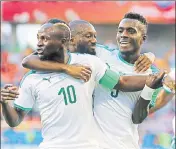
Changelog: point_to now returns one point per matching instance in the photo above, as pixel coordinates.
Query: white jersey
(113, 110)
(65, 105)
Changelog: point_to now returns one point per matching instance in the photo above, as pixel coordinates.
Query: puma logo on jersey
(47, 79)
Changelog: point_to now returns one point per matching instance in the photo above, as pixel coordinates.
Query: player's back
(65, 106)
(113, 109)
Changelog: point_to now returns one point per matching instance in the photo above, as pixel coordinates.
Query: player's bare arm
(162, 99)
(167, 93)
(113, 80)
(79, 72)
(144, 62)
(12, 115)
(141, 109)
(131, 83)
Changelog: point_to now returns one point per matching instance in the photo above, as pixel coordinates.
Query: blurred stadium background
(19, 25)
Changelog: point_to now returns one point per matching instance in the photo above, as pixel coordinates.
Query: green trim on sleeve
(110, 79)
(22, 108)
(154, 97)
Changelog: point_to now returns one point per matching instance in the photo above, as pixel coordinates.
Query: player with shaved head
(83, 37)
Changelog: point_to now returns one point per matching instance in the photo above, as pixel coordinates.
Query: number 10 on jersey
(68, 94)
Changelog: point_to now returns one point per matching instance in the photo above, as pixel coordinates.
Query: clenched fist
(169, 81)
(154, 81)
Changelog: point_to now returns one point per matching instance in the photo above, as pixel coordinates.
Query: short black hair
(62, 25)
(55, 20)
(136, 16)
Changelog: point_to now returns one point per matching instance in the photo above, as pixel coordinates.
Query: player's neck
(64, 58)
(130, 58)
(72, 49)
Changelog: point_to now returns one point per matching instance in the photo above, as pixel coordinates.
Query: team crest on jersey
(47, 79)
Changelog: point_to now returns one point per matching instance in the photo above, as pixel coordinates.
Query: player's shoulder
(104, 47)
(92, 59)
(80, 56)
(104, 52)
(27, 78)
(86, 59)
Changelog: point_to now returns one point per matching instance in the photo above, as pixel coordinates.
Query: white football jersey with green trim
(65, 105)
(113, 109)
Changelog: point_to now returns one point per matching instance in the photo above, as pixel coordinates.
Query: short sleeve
(25, 100)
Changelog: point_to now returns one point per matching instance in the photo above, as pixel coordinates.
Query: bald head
(59, 30)
(53, 41)
(80, 27)
(83, 37)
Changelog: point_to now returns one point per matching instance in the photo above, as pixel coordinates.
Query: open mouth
(124, 43)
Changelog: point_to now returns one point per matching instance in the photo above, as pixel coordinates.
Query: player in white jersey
(114, 114)
(65, 104)
(112, 111)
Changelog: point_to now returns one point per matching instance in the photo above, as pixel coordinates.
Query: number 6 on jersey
(69, 94)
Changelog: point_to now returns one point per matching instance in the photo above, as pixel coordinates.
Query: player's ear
(144, 38)
(64, 40)
(72, 40)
